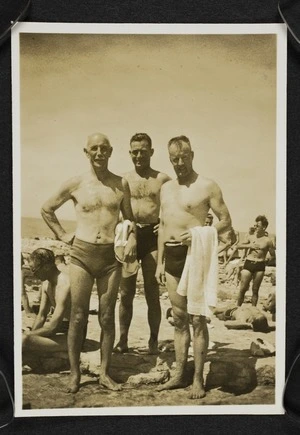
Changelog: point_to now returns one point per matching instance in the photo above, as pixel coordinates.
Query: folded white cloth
(199, 278)
(122, 232)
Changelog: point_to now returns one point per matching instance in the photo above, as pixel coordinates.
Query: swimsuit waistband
(255, 261)
(173, 243)
(145, 225)
(92, 244)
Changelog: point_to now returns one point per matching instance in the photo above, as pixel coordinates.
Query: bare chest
(92, 196)
(262, 243)
(186, 198)
(145, 188)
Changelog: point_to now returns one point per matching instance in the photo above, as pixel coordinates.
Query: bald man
(98, 197)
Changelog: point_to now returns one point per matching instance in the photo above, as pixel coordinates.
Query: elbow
(47, 208)
(43, 211)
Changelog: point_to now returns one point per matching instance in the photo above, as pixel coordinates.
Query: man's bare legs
(200, 346)
(182, 336)
(257, 279)
(108, 287)
(149, 264)
(246, 277)
(127, 292)
(81, 288)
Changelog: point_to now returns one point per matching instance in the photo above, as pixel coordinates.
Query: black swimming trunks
(175, 255)
(146, 240)
(96, 259)
(254, 266)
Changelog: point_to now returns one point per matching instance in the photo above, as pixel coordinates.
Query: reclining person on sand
(245, 317)
(49, 336)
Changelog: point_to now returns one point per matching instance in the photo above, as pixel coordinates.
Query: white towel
(122, 232)
(199, 278)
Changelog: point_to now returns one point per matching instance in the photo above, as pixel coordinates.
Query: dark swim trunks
(96, 259)
(146, 240)
(63, 327)
(175, 255)
(254, 266)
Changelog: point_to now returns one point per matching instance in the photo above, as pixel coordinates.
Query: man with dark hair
(145, 184)
(44, 335)
(98, 197)
(185, 203)
(209, 220)
(258, 246)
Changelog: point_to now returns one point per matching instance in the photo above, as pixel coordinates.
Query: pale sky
(218, 90)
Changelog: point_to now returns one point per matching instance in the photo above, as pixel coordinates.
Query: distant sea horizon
(32, 227)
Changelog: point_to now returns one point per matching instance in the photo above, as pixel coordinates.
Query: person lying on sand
(245, 317)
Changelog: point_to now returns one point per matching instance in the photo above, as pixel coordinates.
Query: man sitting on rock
(48, 336)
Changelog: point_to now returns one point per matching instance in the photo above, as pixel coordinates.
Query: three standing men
(185, 203)
(145, 184)
(98, 197)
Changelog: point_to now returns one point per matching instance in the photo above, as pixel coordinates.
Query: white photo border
(176, 29)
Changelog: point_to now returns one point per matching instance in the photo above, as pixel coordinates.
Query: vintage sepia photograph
(149, 218)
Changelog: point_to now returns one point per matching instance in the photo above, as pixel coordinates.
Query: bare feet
(153, 347)
(172, 384)
(107, 382)
(120, 348)
(74, 384)
(198, 391)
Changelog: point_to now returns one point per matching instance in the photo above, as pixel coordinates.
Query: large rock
(261, 347)
(153, 377)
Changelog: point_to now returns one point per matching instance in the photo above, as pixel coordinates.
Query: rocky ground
(233, 374)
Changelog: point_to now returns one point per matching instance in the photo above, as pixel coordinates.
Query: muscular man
(44, 335)
(254, 268)
(185, 203)
(98, 197)
(145, 184)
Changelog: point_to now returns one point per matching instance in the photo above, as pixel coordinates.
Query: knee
(198, 322)
(127, 300)
(107, 321)
(79, 316)
(127, 296)
(181, 319)
(199, 325)
(152, 296)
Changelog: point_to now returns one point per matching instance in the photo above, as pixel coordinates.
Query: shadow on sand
(231, 370)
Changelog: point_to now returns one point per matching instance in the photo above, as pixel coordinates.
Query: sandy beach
(233, 375)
